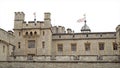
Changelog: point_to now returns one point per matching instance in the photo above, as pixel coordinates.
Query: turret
(18, 20)
(85, 29)
(19, 16)
(47, 20)
(69, 30)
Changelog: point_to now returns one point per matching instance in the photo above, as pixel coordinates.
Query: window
(18, 44)
(19, 33)
(43, 44)
(35, 33)
(31, 43)
(87, 46)
(101, 35)
(101, 46)
(26, 33)
(43, 33)
(3, 49)
(31, 33)
(73, 47)
(60, 47)
(86, 35)
(115, 46)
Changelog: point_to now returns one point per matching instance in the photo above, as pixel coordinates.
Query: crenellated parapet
(61, 29)
(19, 16)
(58, 29)
(20, 23)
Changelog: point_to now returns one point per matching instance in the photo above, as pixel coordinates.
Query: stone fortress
(40, 41)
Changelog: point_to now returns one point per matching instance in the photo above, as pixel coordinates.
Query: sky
(101, 15)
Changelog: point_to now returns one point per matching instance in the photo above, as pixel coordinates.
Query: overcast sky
(101, 15)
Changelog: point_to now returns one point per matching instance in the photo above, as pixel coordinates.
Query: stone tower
(19, 18)
(32, 38)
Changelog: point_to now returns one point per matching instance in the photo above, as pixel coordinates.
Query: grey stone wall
(58, 64)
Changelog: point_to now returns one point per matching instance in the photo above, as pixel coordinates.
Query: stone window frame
(87, 46)
(43, 44)
(26, 33)
(60, 47)
(73, 47)
(3, 49)
(19, 45)
(43, 33)
(31, 43)
(19, 33)
(31, 33)
(115, 46)
(101, 45)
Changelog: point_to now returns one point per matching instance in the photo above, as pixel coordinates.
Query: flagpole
(34, 17)
(85, 18)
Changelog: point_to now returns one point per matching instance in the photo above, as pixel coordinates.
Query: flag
(82, 19)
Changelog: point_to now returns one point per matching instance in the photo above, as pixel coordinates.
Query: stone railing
(66, 58)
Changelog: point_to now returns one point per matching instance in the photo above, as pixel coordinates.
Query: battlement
(61, 29)
(19, 16)
(33, 24)
(20, 23)
(19, 13)
(47, 16)
(98, 35)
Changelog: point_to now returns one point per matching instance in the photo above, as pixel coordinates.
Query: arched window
(31, 33)
(35, 33)
(26, 33)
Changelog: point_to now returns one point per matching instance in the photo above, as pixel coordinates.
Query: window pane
(73, 47)
(115, 46)
(31, 44)
(60, 47)
(87, 46)
(101, 46)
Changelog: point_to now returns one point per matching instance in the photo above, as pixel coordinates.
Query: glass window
(60, 47)
(115, 46)
(101, 46)
(31, 43)
(73, 47)
(87, 46)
